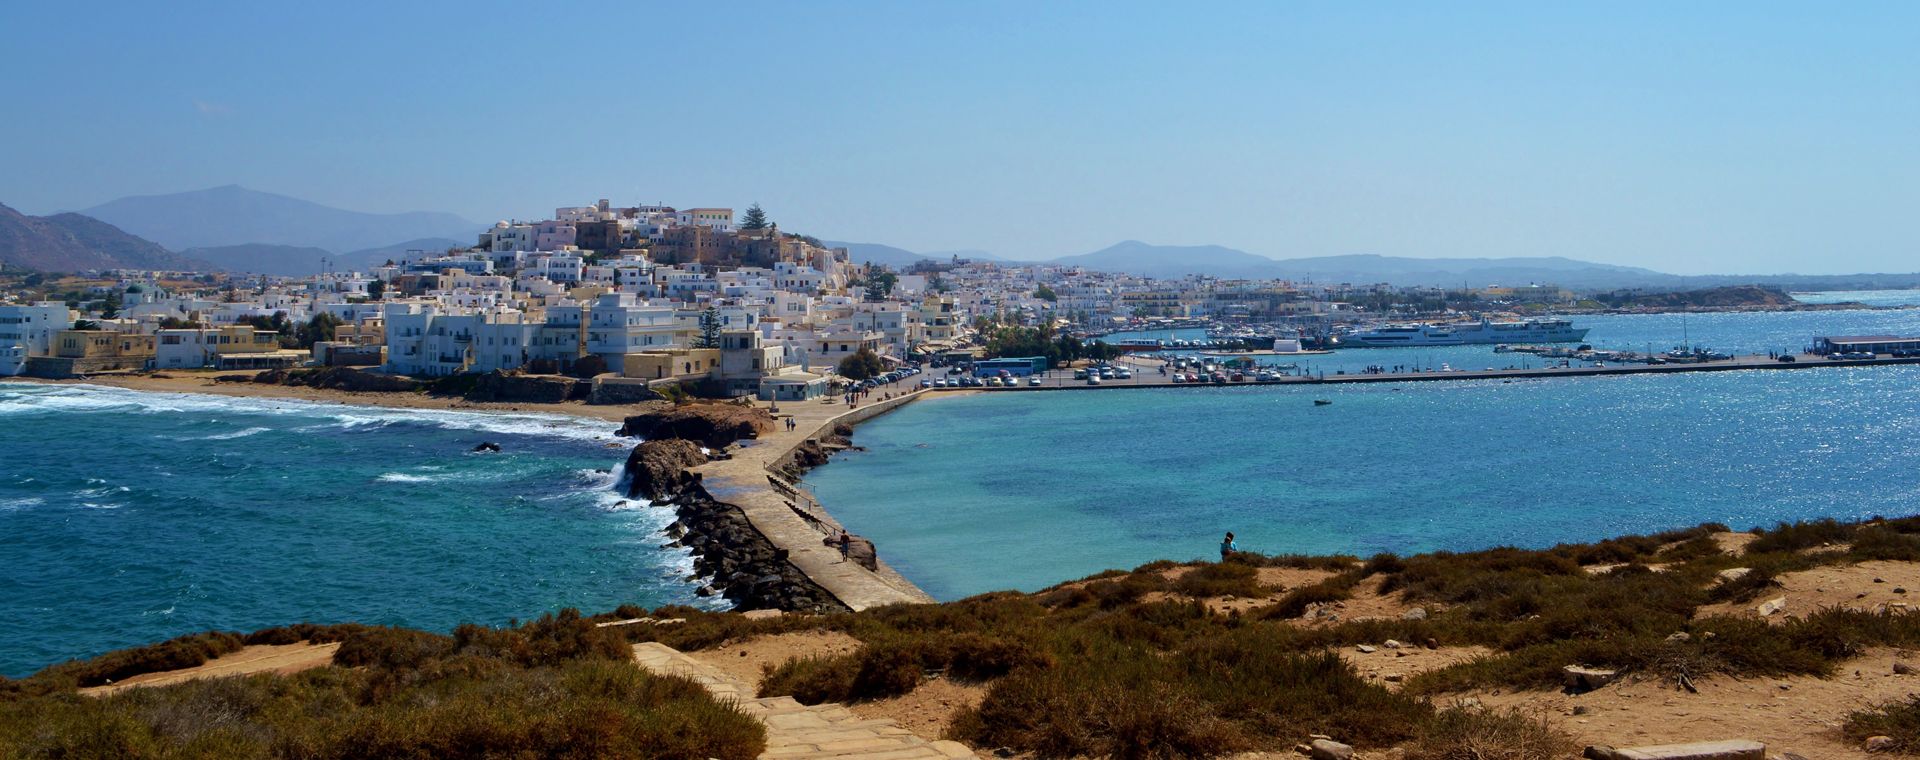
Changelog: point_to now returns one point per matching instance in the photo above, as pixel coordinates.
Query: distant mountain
(368, 258)
(876, 253)
(1172, 261)
(72, 242)
(233, 215)
(1480, 272)
(971, 253)
(261, 258)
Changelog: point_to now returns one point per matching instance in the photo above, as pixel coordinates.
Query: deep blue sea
(129, 517)
(1023, 490)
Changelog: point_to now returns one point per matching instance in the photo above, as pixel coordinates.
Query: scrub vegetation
(1141, 663)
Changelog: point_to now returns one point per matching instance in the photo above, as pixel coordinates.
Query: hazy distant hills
(69, 242)
(1171, 261)
(877, 253)
(234, 216)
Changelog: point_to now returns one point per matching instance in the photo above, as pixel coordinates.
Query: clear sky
(1699, 137)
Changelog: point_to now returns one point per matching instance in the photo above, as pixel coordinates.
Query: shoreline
(793, 528)
(201, 382)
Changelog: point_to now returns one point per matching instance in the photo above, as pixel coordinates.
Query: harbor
(1145, 373)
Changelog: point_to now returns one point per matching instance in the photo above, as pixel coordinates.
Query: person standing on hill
(1227, 548)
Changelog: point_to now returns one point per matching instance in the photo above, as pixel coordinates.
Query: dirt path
(277, 658)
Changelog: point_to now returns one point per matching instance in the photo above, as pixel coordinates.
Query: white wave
(402, 477)
(26, 398)
(236, 434)
(9, 505)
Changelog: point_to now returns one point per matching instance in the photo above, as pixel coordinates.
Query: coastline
(202, 382)
(749, 482)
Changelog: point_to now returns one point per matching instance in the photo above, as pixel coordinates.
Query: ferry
(1467, 333)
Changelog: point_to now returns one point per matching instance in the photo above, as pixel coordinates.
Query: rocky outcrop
(619, 392)
(340, 378)
(715, 426)
(658, 470)
(516, 387)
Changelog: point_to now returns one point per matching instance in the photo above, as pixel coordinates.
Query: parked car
(1033, 382)
(1787, 359)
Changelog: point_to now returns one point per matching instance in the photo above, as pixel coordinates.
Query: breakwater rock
(715, 426)
(738, 562)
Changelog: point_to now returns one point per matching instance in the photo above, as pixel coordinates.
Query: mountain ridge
(231, 215)
(68, 242)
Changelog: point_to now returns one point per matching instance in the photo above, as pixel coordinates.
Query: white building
(621, 323)
(27, 331)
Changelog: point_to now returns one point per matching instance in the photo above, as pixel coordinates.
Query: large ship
(1466, 333)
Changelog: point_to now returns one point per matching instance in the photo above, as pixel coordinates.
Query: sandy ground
(926, 711)
(1800, 715)
(279, 658)
(186, 381)
(1389, 667)
(746, 660)
(1867, 586)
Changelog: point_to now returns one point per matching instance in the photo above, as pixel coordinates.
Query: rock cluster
(657, 470)
(715, 426)
(518, 387)
(340, 378)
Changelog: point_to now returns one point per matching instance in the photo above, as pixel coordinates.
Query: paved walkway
(745, 481)
(796, 731)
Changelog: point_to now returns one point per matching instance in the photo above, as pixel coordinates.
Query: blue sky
(1687, 137)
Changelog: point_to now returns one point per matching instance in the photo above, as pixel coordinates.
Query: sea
(128, 517)
(994, 491)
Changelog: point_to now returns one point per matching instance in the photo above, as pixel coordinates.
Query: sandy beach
(188, 381)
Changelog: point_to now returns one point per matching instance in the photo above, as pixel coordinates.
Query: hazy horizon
(1710, 138)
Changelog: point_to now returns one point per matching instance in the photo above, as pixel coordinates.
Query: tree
(86, 324)
(110, 308)
(709, 329)
(1045, 293)
(320, 328)
(880, 285)
(376, 289)
(862, 364)
(754, 219)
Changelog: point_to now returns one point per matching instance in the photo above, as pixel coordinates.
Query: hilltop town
(639, 297)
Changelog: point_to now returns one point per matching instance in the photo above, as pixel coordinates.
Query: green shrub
(173, 654)
(391, 648)
(1793, 537)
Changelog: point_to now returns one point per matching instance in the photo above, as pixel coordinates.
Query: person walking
(846, 545)
(1227, 548)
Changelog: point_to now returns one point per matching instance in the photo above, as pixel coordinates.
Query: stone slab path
(796, 731)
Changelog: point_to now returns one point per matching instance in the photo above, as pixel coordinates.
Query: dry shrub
(1898, 720)
(1475, 733)
(1221, 579)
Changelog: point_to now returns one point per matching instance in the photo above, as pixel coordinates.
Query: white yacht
(1467, 333)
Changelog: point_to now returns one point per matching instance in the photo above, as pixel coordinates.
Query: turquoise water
(1023, 490)
(1735, 332)
(129, 517)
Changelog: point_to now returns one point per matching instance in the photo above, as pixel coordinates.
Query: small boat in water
(1322, 402)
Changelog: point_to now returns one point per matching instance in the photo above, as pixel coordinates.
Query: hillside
(1796, 637)
(259, 258)
(73, 242)
(1731, 296)
(368, 258)
(234, 215)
